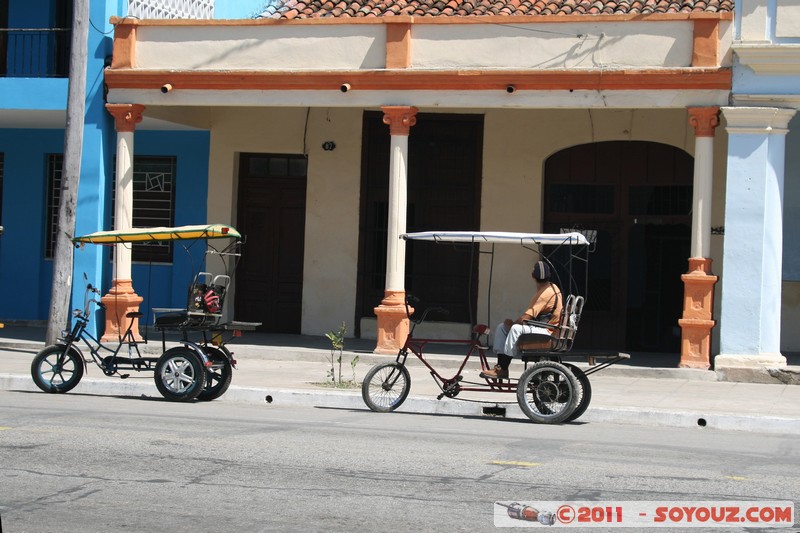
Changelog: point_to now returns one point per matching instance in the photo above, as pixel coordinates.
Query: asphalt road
(88, 463)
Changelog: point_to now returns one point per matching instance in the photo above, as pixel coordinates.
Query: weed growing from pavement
(337, 346)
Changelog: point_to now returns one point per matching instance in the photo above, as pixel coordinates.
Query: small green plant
(337, 346)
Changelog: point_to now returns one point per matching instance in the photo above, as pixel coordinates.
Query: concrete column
(696, 322)
(750, 315)
(392, 321)
(121, 298)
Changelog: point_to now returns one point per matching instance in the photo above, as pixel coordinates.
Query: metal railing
(34, 52)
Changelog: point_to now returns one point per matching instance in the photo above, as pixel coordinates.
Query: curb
(430, 406)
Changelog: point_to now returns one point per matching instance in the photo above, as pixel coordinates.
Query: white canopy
(556, 239)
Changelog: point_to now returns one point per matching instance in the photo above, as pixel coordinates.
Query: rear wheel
(179, 374)
(585, 396)
(56, 369)
(218, 377)
(386, 387)
(548, 392)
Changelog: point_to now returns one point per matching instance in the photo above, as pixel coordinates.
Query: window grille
(171, 9)
(153, 203)
(55, 165)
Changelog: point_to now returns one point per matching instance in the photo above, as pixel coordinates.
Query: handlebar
(410, 299)
(91, 289)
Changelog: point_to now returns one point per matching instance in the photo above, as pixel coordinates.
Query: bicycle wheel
(218, 377)
(179, 374)
(386, 387)
(56, 369)
(585, 395)
(548, 392)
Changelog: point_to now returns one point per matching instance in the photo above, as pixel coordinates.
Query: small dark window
(661, 200)
(2, 165)
(569, 198)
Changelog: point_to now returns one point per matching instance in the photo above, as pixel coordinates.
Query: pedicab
(552, 389)
(199, 367)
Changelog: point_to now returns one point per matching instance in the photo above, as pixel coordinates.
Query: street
(90, 463)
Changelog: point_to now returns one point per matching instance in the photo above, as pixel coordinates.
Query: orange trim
(398, 45)
(124, 55)
(126, 116)
(484, 19)
(704, 120)
(706, 43)
(410, 80)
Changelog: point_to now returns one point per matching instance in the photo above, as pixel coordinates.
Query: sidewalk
(275, 370)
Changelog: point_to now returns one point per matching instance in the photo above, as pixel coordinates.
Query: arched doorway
(638, 196)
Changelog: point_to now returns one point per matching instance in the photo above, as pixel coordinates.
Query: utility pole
(70, 174)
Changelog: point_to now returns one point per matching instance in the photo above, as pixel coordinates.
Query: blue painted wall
(22, 262)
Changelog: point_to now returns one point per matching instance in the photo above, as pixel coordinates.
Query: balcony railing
(34, 53)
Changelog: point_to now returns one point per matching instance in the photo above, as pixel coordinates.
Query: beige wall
(516, 144)
(518, 45)
(331, 242)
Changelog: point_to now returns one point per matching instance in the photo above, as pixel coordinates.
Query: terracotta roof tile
(289, 9)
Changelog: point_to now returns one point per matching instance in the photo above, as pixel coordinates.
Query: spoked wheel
(56, 369)
(179, 374)
(218, 377)
(585, 395)
(386, 387)
(548, 392)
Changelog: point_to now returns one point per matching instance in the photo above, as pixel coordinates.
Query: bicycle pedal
(124, 376)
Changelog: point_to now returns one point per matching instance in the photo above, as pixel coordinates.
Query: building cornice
(768, 58)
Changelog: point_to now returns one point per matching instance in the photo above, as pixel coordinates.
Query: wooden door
(272, 211)
(638, 196)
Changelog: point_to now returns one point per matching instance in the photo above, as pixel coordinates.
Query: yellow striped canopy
(211, 231)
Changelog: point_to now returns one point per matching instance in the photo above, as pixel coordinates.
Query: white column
(123, 203)
(121, 298)
(750, 313)
(704, 120)
(392, 320)
(398, 208)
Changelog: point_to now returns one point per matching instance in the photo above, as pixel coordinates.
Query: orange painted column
(392, 320)
(698, 299)
(121, 298)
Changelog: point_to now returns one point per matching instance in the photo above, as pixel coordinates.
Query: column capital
(399, 118)
(704, 120)
(126, 116)
(758, 120)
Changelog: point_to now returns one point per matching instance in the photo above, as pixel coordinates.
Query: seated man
(545, 306)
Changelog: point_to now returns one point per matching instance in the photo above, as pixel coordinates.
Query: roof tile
(290, 9)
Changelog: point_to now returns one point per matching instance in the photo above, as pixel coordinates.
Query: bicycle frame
(109, 364)
(451, 386)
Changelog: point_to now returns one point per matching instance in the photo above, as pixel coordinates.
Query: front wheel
(56, 369)
(548, 392)
(218, 377)
(179, 374)
(386, 387)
